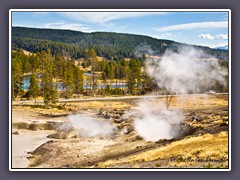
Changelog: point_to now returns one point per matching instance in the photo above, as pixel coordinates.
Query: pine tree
(134, 76)
(17, 76)
(130, 82)
(93, 60)
(124, 69)
(110, 70)
(86, 58)
(68, 80)
(48, 88)
(78, 80)
(147, 83)
(59, 65)
(33, 88)
(34, 62)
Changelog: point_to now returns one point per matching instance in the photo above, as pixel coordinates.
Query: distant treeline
(112, 46)
(48, 70)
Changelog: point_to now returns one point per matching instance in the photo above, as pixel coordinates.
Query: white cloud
(71, 26)
(210, 37)
(190, 26)
(215, 45)
(222, 36)
(103, 17)
(206, 36)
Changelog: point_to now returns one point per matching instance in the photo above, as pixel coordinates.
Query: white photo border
(119, 10)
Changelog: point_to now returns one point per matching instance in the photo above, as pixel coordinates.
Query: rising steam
(186, 70)
(154, 121)
(87, 126)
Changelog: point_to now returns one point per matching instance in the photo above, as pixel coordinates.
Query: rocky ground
(203, 143)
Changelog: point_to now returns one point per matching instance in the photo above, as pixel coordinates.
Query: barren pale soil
(204, 144)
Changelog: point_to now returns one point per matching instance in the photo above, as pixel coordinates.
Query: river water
(26, 84)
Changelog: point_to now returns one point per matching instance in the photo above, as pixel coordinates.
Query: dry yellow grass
(37, 111)
(96, 105)
(197, 101)
(203, 147)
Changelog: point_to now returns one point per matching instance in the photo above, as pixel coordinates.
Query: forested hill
(109, 45)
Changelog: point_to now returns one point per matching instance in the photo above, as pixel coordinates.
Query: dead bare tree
(168, 99)
(168, 96)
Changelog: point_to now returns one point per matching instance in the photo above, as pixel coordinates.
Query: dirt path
(118, 98)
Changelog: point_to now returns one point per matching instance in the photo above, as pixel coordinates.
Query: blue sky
(199, 28)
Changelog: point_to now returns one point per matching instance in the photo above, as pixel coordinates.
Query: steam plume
(186, 70)
(154, 121)
(87, 126)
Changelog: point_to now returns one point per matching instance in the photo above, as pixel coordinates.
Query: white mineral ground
(25, 142)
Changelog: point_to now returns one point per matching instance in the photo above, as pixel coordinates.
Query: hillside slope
(110, 45)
